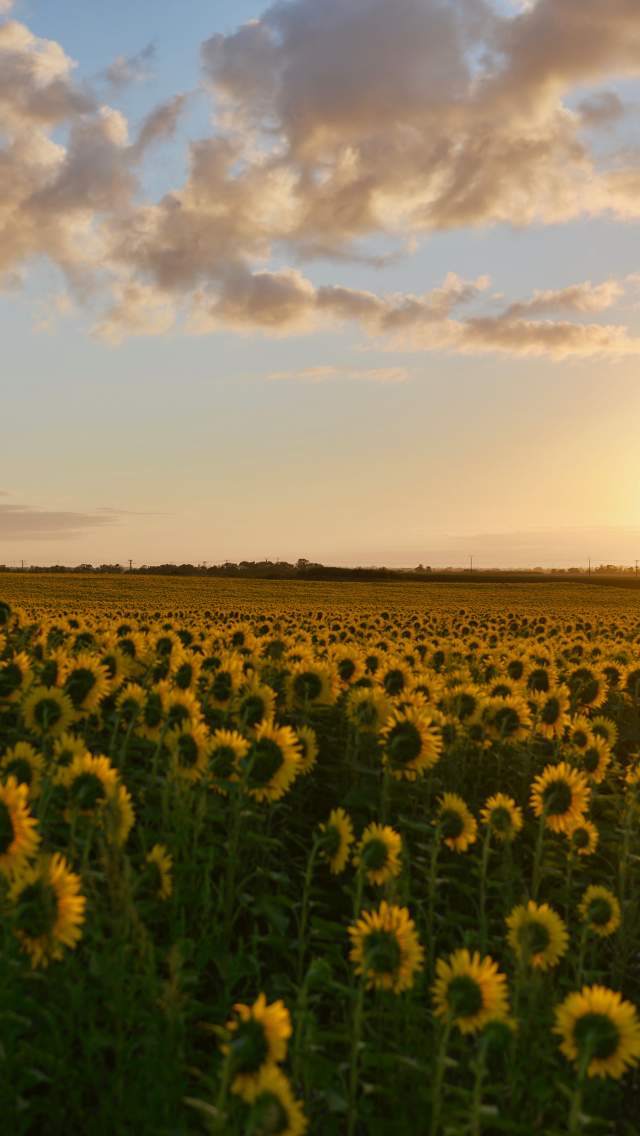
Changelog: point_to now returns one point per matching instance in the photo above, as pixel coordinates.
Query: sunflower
(86, 683)
(189, 747)
(410, 743)
(15, 676)
(560, 795)
(598, 1027)
(595, 758)
(508, 719)
(130, 702)
(552, 712)
(161, 864)
(47, 710)
(456, 824)
(24, 763)
(588, 686)
(503, 816)
(228, 748)
(274, 1109)
(367, 708)
(349, 664)
(537, 935)
(308, 747)
(583, 836)
(469, 991)
(18, 833)
(385, 948)
(378, 853)
(580, 732)
(66, 747)
(255, 703)
(118, 816)
(150, 720)
(311, 683)
(337, 838)
(91, 782)
(272, 762)
(394, 676)
(49, 909)
(600, 909)
(606, 729)
(464, 702)
(259, 1036)
(181, 707)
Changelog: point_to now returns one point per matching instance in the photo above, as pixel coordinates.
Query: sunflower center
(557, 798)
(187, 750)
(404, 743)
(515, 669)
(183, 676)
(49, 673)
(269, 1116)
(252, 710)
(87, 790)
(266, 760)
(394, 681)
(222, 686)
(248, 1047)
(580, 838)
(307, 686)
(7, 832)
(584, 685)
(580, 738)
(20, 768)
(382, 952)
(79, 684)
(366, 712)
(10, 679)
(375, 855)
(47, 712)
(501, 819)
(501, 690)
(507, 721)
(533, 937)
(223, 760)
(153, 710)
(539, 680)
(464, 996)
(591, 759)
(551, 711)
(37, 910)
(451, 824)
(331, 841)
(599, 912)
(596, 1035)
(346, 669)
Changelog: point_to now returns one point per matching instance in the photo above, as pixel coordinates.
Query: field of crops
(350, 860)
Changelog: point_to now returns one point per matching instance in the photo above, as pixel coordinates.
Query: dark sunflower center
(86, 790)
(501, 819)
(599, 912)
(372, 663)
(580, 738)
(47, 712)
(248, 1047)
(19, 768)
(551, 711)
(164, 646)
(556, 798)
(596, 1035)
(10, 679)
(580, 838)
(591, 759)
(187, 750)
(269, 1117)
(346, 669)
(394, 681)
(177, 714)
(223, 760)
(464, 996)
(37, 909)
(79, 684)
(515, 669)
(451, 824)
(222, 686)
(382, 952)
(404, 743)
(49, 673)
(266, 759)
(501, 689)
(129, 709)
(366, 713)
(7, 832)
(128, 648)
(375, 855)
(584, 685)
(533, 937)
(507, 721)
(252, 709)
(183, 676)
(331, 841)
(307, 686)
(539, 680)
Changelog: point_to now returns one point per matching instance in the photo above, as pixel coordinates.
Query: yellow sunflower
(606, 729)
(15, 676)
(86, 683)
(255, 703)
(469, 991)
(161, 863)
(378, 853)
(311, 683)
(189, 747)
(228, 748)
(410, 743)
(24, 763)
(503, 817)
(595, 759)
(47, 710)
(18, 829)
(598, 1027)
(508, 719)
(561, 795)
(274, 1109)
(588, 686)
(600, 909)
(367, 708)
(272, 762)
(337, 839)
(385, 948)
(552, 712)
(583, 836)
(259, 1036)
(580, 732)
(309, 748)
(394, 676)
(537, 935)
(456, 824)
(66, 747)
(49, 909)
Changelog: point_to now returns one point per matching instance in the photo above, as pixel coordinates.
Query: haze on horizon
(356, 281)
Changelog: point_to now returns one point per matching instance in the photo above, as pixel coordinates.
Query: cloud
(601, 108)
(322, 374)
(584, 297)
(130, 69)
(18, 522)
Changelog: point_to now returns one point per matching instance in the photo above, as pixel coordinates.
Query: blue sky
(299, 423)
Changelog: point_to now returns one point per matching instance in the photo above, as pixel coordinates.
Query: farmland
(345, 859)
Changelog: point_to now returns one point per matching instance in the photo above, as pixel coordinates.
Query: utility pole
(471, 563)
(589, 565)
(636, 567)
(130, 565)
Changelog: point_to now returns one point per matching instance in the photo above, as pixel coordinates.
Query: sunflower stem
(478, 1085)
(302, 930)
(354, 1061)
(486, 849)
(438, 1081)
(537, 860)
(431, 891)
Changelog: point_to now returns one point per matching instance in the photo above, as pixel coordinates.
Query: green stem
(478, 1085)
(354, 1061)
(537, 861)
(231, 866)
(486, 848)
(357, 900)
(436, 1107)
(431, 893)
(302, 931)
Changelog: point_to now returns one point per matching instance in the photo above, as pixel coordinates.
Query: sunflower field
(335, 859)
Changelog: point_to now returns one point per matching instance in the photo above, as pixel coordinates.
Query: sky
(355, 281)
